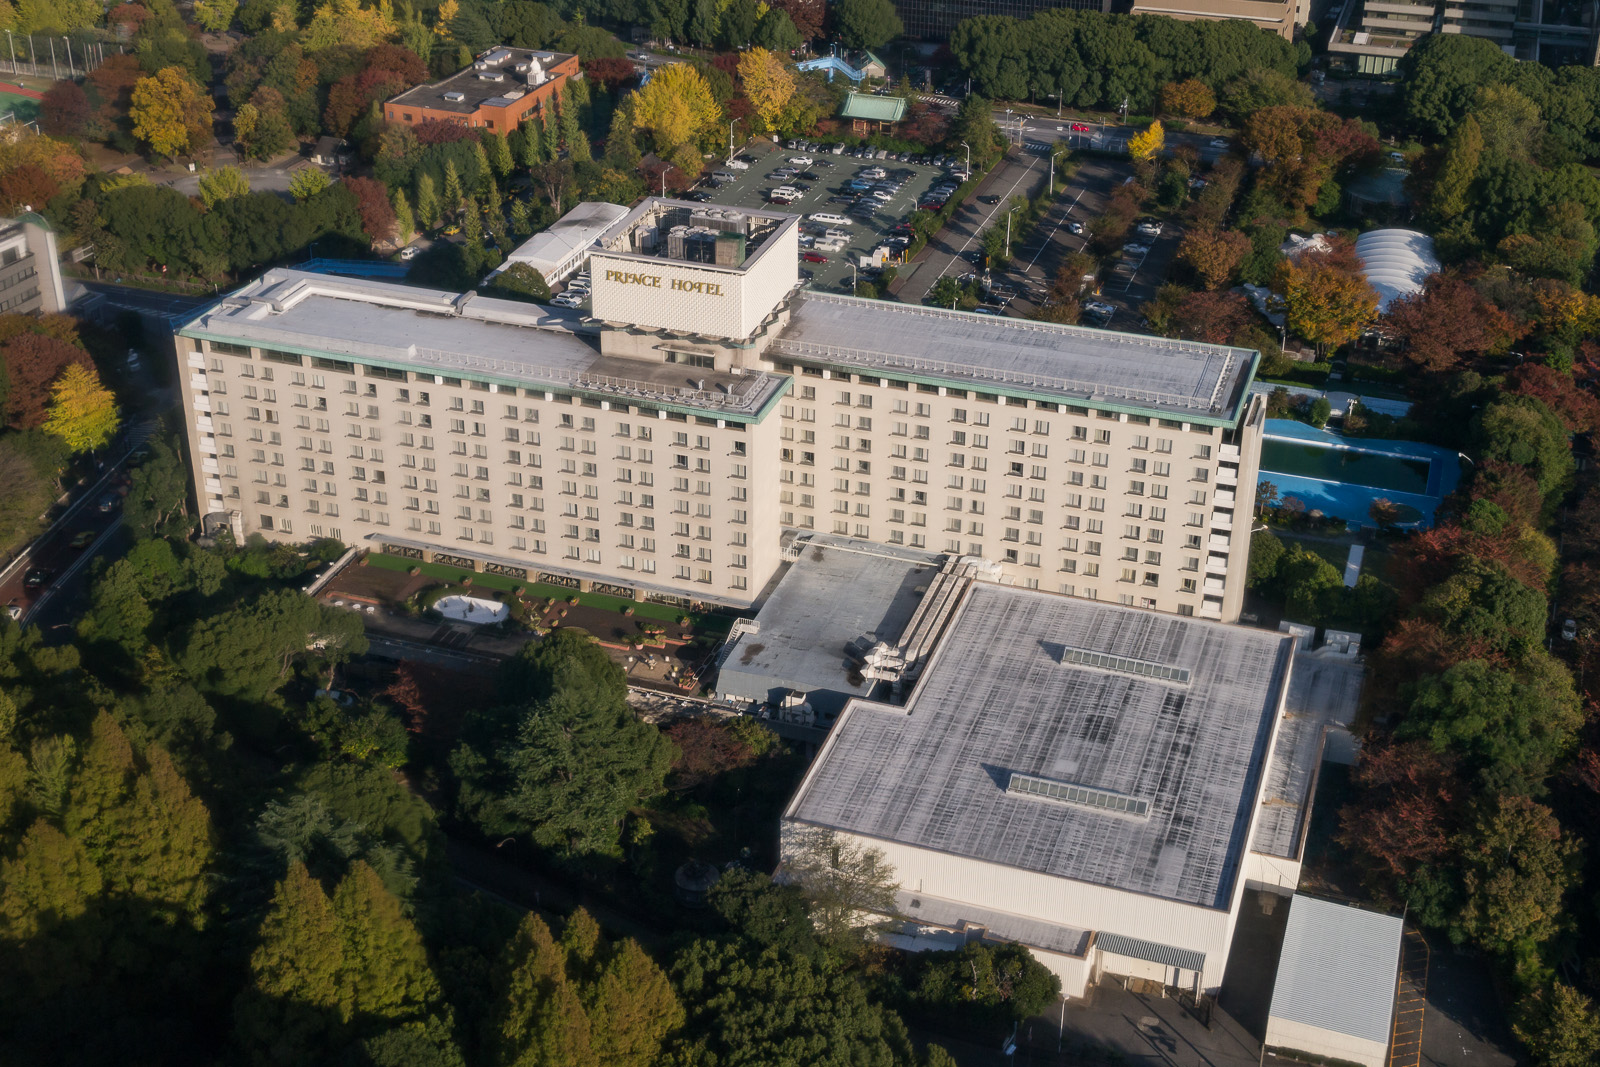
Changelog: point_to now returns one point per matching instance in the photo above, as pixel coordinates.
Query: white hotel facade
(660, 446)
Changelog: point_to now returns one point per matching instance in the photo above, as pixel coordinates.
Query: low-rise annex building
(1084, 779)
(660, 448)
(503, 88)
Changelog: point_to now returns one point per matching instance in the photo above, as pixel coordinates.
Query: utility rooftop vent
(455, 97)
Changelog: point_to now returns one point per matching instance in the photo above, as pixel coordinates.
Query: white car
(1150, 229)
(1075, 228)
(1219, 142)
(1134, 248)
(410, 252)
(800, 161)
(567, 300)
(1095, 307)
(737, 164)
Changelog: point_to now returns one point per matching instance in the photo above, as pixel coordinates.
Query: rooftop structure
(1275, 16)
(839, 598)
(1183, 380)
(1335, 990)
(463, 336)
(1008, 707)
(1396, 262)
(867, 110)
(499, 91)
(558, 252)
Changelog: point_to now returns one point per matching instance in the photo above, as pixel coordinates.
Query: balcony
(209, 465)
(203, 424)
(1216, 564)
(1214, 585)
(1219, 542)
(1231, 452)
(1221, 521)
(196, 360)
(202, 403)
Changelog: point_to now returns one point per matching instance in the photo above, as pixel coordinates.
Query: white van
(831, 244)
(836, 235)
(737, 164)
(785, 191)
(827, 219)
(725, 176)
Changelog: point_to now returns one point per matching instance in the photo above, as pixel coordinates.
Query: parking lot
(751, 187)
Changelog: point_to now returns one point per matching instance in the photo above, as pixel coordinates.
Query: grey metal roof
(1172, 379)
(548, 249)
(839, 591)
(1140, 949)
(433, 331)
(996, 698)
(1338, 968)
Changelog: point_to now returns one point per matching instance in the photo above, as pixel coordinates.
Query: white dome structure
(1396, 262)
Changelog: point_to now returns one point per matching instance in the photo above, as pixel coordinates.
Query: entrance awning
(1183, 958)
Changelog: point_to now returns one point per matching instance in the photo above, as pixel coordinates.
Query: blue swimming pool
(1342, 476)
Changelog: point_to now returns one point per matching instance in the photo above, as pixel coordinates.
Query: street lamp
(70, 68)
(969, 159)
(730, 136)
(1008, 229)
(1053, 157)
(664, 179)
(12, 41)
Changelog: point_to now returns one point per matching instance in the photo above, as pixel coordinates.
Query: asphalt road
(146, 301)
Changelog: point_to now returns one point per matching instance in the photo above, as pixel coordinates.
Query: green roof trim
(873, 108)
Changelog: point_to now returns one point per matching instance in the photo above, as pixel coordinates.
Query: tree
(842, 880)
(1312, 586)
(292, 1005)
(158, 490)
(776, 32)
(1447, 322)
(1523, 431)
(676, 106)
(633, 1009)
(171, 113)
(385, 976)
(405, 222)
(1440, 78)
(1148, 143)
(1559, 1026)
(346, 23)
(47, 890)
(222, 183)
(1463, 155)
(1266, 552)
(83, 413)
(622, 152)
(520, 281)
(1406, 808)
(247, 650)
(307, 183)
(866, 24)
(806, 15)
(215, 15)
(1214, 255)
(1213, 317)
(1190, 98)
(32, 363)
(377, 214)
(1325, 301)
(64, 111)
(538, 1019)
(767, 82)
(1518, 866)
(427, 200)
(453, 194)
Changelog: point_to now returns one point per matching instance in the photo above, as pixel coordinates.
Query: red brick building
(503, 88)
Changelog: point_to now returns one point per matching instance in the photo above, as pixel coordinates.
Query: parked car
(1134, 248)
(1219, 142)
(82, 539)
(38, 578)
(989, 199)
(410, 252)
(107, 502)
(813, 257)
(699, 196)
(1569, 630)
(14, 608)
(1099, 308)
(1149, 229)
(1075, 228)
(800, 161)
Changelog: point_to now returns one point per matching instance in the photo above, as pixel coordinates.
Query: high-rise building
(30, 271)
(661, 447)
(1372, 35)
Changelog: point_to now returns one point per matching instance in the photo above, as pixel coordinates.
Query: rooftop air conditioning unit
(491, 76)
(455, 97)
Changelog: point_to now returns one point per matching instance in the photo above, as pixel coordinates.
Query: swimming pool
(1342, 476)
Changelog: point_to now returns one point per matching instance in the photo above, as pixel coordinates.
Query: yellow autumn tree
(676, 106)
(1148, 145)
(83, 412)
(445, 16)
(346, 22)
(1325, 301)
(171, 113)
(767, 82)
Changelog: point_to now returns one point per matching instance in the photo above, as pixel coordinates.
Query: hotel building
(660, 445)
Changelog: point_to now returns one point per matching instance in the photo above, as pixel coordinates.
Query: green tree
(1312, 587)
(866, 23)
(519, 281)
(427, 200)
(47, 891)
(538, 1019)
(1266, 552)
(633, 1009)
(842, 880)
(218, 185)
(291, 1007)
(1559, 1026)
(453, 195)
(1519, 865)
(1522, 430)
(622, 152)
(498, 151)
(405, 221)
(1441, 76)
(385, 977)
(215, 15)
(158, 491)
(307, 183)
(529, 151)
(247, 650)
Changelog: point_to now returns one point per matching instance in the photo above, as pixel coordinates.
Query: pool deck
(1349, 500)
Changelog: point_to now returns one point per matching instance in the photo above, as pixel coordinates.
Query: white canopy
(1396, 262)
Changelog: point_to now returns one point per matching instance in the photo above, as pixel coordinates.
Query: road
(146, 301)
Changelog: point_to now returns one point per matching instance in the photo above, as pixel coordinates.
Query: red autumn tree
(1214, 255)
(1407, 807)
(706, 749)
(32, 361)
(113, 83)
(372, 201)
(1211, 317)
(405, 693)
(437, 131)
(1447, 323)
(1575, 406)
(64, 109)
(807, 16)
(608, 71)
(26, 188)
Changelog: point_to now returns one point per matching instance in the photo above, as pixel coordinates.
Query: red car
(1078, 127)
(813, 257)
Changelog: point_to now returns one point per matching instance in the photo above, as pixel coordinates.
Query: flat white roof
(1338, 969)
(1181, 380)
(1115, 702)
(576, 230)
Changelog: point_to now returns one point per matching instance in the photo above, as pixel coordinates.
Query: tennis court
(21, 103)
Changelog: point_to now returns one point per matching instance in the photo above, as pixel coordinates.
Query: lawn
(455, 575)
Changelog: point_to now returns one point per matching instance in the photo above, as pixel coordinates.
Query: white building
(661, 448)
(562, 250)
(1334, 996)
(1081, 778)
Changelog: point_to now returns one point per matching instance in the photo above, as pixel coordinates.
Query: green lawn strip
(455, 575)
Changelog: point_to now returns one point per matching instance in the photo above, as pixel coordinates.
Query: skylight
(1080, 795)
(1084, 657)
